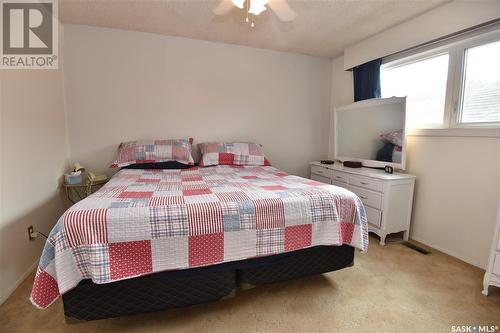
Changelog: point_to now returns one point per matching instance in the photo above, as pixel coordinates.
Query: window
(424, 84)
(454, 85)
(480, 101)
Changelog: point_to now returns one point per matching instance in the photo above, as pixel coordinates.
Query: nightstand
(76, 192)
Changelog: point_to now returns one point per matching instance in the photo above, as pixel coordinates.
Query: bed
(156, 239)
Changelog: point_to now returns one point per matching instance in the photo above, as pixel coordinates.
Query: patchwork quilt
(146, 221)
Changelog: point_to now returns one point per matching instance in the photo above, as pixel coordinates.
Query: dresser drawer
(496, 264)
(366, 182)
(340, 176)
(317, 170)
(369, 198)
(340, 184)
(373, 216)
(320, 179)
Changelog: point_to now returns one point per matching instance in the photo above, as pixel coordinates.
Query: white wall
(32, 159)
(122, 85)
(457, 194)
(457, 186)
(342, 94)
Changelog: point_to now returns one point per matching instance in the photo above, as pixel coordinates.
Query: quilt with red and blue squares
(147, 221)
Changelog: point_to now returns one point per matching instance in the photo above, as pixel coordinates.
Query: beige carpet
(389, 289)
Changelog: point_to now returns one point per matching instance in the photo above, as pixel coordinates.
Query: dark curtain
(367, 80)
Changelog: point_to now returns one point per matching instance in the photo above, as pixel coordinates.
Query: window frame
(461, 49)
(420, 57)
(455, 48)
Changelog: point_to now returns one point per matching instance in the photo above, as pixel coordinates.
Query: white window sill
(457, 132)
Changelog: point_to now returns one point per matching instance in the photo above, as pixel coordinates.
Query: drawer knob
(362, 197)
(338, 177)
(319, 171)
(364, 183)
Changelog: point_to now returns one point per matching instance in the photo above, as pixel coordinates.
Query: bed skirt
(173, 289)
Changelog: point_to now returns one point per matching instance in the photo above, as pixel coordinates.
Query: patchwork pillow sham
(154, 151)
(231, 153)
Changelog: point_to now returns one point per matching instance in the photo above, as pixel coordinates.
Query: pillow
(397, 154)
(231, 153)
(154, 151)
(395, 137)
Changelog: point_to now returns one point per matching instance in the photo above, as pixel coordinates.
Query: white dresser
(388, 198)
(492, 275)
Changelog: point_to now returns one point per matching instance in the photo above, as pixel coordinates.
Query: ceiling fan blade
(282, 10)
(223, 7)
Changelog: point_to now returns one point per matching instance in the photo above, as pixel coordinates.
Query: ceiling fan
(255, 7)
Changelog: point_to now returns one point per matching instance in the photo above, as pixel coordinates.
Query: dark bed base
(173, 289)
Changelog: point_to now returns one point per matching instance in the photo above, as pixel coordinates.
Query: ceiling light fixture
(257, 6)
(239, 3)
(252, 8)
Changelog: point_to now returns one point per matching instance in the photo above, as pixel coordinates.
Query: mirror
(372, 132)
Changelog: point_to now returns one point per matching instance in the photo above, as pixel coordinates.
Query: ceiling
(322, 27)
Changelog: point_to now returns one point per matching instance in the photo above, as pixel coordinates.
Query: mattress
(147, 221)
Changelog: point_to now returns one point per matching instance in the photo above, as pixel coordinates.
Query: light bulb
(239, 3)
(257, 6)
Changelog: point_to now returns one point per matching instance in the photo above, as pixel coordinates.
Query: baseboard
(448, 252)
(18, 282)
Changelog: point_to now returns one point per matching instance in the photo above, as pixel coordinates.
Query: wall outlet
(31, 233)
